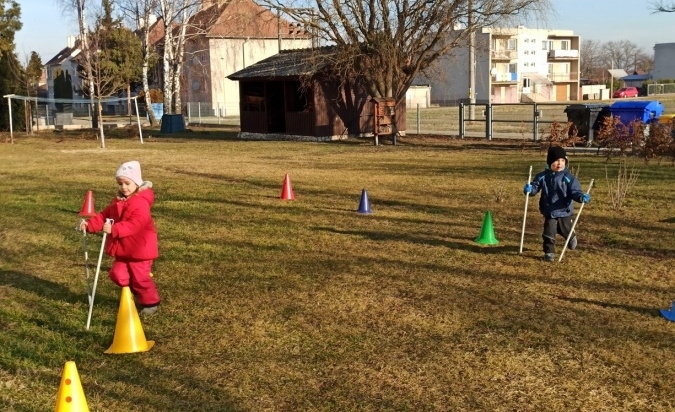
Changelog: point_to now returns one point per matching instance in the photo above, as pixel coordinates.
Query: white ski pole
(527, 198)
(98, 270)
(569, 236)
(86, 260)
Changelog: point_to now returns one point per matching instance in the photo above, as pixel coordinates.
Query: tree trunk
(179, 56)
(146, 86)
(129, 100)
(99, 110)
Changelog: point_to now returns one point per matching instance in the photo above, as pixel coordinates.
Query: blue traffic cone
(669, 314)
(364, 205)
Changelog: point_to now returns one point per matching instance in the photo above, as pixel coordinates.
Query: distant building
(512, 65)
(226, 37)
(664, 61)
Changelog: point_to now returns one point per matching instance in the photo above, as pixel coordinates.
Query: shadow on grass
(63, 337)
(654, 312)
(38, 286)
(469, 246)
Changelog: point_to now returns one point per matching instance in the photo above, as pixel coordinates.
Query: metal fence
(503, 120)
(660, 88)
(530, 121)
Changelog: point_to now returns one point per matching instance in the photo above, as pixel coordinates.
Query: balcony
(563, 54)
(505, 78)
(504, 54)
(563, 77)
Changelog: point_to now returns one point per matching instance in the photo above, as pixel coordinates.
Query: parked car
(625, 92)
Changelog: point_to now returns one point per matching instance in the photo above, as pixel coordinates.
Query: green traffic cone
(487, 232)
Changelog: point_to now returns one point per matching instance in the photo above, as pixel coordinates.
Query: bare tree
(622, 54)
(663, 6)
(175, 15)
(80, 7)
(388, 43)
(141, 12)
(104, 73)
(591, 57)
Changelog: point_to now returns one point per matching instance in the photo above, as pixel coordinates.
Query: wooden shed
(291, 96)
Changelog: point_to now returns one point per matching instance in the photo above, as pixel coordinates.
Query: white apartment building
(512, 65)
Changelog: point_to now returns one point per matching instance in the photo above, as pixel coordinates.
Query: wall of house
(215, 59)
(664, 61)
(448, 77)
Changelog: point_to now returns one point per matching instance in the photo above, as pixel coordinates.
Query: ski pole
(569, 236)
(86, 260)
(98, 270)
(527, 198)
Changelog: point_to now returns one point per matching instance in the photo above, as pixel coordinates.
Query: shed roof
(635, 77)
(287, 63)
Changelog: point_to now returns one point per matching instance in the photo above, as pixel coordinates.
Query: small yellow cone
(129, 336)
(70, 397)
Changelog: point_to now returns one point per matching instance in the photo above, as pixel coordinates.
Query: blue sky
(46, 28)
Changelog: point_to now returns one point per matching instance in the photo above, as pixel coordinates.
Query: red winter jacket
(133, 234)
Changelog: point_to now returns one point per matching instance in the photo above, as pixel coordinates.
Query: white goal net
(54, 113)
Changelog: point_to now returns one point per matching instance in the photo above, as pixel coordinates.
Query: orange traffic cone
(70, 397)
(286, 189)
(129, 336)
(88, 209)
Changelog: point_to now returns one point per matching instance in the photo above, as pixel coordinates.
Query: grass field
(307, 305)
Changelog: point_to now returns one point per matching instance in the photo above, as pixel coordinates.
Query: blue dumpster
(645, 110)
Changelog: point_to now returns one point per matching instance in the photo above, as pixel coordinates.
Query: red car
(625, 92)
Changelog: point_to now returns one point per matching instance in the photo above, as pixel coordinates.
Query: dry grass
(310, 306)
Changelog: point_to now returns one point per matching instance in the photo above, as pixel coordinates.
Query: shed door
(276, 108)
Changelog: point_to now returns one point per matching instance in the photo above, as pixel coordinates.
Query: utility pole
(611, 82)
(472, 64)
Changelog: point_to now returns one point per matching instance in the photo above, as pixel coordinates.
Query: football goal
(58, 113)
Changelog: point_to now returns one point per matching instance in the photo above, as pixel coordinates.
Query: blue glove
(527, 189)
(585, 198)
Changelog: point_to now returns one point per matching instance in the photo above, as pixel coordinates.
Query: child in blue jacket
(559, 187)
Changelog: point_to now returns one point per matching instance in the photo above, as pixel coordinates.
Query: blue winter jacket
(558, 190)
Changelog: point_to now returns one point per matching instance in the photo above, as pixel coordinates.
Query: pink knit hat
(132, 171)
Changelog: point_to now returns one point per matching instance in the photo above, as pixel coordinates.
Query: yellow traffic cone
(70, 397)
(129, 336)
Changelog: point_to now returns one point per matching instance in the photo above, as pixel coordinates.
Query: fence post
(461, 120)
(46, 114)
(488, 121)
(189, 111)
(218, 113)
(418, 119)
(535, 125)
(199, 112)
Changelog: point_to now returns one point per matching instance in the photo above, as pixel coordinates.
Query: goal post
(71, 111)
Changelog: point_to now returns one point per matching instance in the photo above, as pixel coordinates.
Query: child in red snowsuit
(132, 237)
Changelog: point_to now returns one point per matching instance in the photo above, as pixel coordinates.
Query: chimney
(71, 41)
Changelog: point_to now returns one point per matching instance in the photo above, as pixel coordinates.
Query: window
(547, 45)
(513, 68)
(565, 45)
(527, 52)
(511, 44)
(527, 40)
